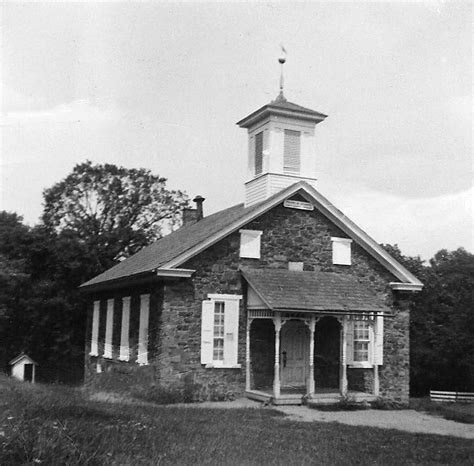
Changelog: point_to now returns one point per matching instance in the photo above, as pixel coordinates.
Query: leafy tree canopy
(114, 210)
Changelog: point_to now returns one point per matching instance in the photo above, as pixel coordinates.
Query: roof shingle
(312, 291)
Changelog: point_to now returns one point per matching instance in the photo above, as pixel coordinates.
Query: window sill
(361, 365)
(212, 365)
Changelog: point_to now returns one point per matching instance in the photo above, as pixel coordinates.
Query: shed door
(28, 374)
(294, 354)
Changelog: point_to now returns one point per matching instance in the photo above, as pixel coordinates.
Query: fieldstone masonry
(175, 326)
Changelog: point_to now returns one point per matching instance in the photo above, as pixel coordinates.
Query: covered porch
(297, 353)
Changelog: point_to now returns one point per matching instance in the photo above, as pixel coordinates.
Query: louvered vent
(291, 154)
(258, 153)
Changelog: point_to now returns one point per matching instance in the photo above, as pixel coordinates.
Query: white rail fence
(466, 397)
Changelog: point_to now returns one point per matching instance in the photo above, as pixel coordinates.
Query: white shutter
(124, 336)
(143, 329)
(207, 331)
(231, 332)
(349, 342)
(378, 350)
(109, 327)
(95, 329)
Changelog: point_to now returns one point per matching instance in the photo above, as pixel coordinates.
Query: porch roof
(285, 290)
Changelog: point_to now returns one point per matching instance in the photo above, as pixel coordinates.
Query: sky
(161, 86)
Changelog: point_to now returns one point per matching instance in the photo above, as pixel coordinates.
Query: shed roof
(285, 290)
(20, 357)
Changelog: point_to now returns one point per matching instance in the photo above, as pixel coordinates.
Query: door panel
(294, 353)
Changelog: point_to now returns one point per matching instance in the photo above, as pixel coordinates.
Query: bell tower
(281, 146)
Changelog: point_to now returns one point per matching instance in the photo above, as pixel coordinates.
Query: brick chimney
(199, 200)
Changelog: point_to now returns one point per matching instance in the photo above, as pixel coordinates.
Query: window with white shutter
(250, 243)
(95, 329)
(143, 329)
(258, 153)
(125, 328)
(341, 251)
(291, 152)
(363, 347)
(109, 327)
(220, 331)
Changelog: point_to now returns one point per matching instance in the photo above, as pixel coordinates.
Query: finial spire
(282, 60)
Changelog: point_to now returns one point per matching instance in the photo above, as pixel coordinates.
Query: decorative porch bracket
(278, 323)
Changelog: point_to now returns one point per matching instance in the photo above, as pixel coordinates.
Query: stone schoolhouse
(280, 298)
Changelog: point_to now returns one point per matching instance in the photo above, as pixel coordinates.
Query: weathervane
(282, 60)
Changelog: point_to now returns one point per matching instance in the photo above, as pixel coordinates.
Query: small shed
(23, 368)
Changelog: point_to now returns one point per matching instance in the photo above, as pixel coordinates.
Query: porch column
(276, 376)
(376, 367)
(343, 358)
(310, 385)
(247, 355)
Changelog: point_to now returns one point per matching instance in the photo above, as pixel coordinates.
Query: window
(124, 335)
(341, 251)
(258, 153)
(143, 329)
(291, 152)
(95, 330)
(220, 331)
(365, 341)
(361, 341)
(250, 243)
(218, 348)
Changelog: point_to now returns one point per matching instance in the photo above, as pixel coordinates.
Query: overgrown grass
(460, 412)
(57, 426)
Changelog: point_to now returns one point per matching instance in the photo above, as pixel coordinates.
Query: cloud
(419, 226)
(77, 111)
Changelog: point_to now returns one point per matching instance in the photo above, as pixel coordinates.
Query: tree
(115, 211)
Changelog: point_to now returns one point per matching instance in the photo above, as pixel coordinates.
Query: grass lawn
(57, 426)
(460, 412)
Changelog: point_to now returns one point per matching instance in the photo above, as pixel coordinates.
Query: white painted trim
(142, 356)
(335, 239)
(175, 273)
(325, 207)
(95, 329)
(216, 365)
(224, 297)
(254, 233)
(109, 329)
(406, 286)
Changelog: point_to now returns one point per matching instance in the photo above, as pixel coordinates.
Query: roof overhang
(396, 286)
(174, 273)
(269, 110)
(150, 276)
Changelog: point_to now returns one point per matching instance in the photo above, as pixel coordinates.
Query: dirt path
(406, 419)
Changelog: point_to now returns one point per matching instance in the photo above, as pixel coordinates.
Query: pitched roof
(20, 357)
(281, 106)
(171, 246)
(181, 245)
(312, 291)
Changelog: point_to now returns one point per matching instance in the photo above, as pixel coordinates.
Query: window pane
(218, 347)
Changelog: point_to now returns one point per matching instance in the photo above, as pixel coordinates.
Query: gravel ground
(406, 419)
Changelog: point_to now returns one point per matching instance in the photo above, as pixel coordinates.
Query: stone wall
(288, 235)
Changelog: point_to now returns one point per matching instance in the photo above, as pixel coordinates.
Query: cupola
(281, 146)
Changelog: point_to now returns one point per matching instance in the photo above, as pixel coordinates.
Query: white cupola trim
(281, 148)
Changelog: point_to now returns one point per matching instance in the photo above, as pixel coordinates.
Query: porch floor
(297, 396)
